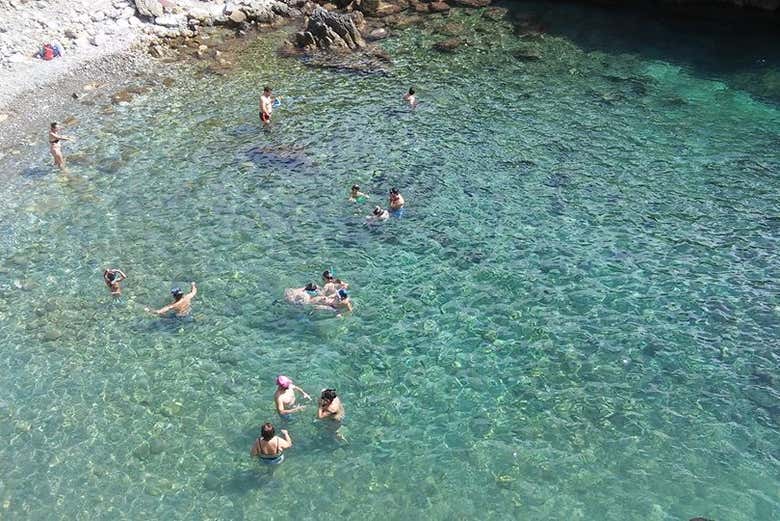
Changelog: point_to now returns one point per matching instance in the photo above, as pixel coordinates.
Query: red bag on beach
(48, 52)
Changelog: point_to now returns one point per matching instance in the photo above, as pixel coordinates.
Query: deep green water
(577, 318)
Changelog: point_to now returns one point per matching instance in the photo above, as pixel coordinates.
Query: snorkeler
(181, 304)
(410, 98)
(270, 447)
(284, 397)
(112, 277)
(378, 215)
(54, 145)
(266, 105)
(302, 295)
(330, 406)
(396, 203)
(355, 195)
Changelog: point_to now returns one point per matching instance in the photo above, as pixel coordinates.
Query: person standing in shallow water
(396, 203)
(266, 105)
(284, 397)
(270, 447)
(54, 145)
(112, 277)
(330, 407)
(181, 305)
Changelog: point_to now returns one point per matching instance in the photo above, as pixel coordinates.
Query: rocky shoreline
(116, 48)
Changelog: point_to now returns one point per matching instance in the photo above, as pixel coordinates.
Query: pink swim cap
(283, 382)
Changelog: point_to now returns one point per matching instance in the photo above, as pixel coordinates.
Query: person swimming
(332, 284)
(378, 215)
(112, 277)
(269, 447)
(330, 406)
(181, 305)
(302, 296)
(356, 196)
(410, 98)
(396, 203)
(284, 397)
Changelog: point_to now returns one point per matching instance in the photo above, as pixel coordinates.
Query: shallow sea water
(577, 317)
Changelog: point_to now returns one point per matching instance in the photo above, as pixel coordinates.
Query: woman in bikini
(54, 145)
(269, 447)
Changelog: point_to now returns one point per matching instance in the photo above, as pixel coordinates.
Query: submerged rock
(527, 55)
(448, 45)
(377, 34)
(438, 7)
(471, 3)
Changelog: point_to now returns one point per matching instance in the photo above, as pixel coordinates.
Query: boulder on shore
(330, 30)
(149, 8)
(438, 7)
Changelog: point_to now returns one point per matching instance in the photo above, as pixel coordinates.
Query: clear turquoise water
(576, 319)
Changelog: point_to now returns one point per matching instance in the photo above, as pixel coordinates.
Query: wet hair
(378, 210)
(327, 275)
(267, 431)
(177, 293)
(111, 275)
(394, 191)
(411, 91)
(343, 295)
(328, 395)
(355, 187)
(53, 125)
(311, 287)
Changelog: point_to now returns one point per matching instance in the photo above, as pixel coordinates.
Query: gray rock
(377, 34)
(71, 33)
(237, 17)
(171, 20)
(149, 8)
(332, 30)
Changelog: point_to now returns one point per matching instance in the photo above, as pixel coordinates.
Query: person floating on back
(410, 98)
(377, 216)
(181, 304)
(266, 105)
(112, 277)
(54, 145)
(270, 447)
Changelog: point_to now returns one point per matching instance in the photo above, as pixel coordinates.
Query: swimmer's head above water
(411, 91)
(311, 287)
(267, 431)
(267, 90)
(177, 293)
(378, 210)
(327, 275)
(283, 381)
(343, 295)
(327, 396)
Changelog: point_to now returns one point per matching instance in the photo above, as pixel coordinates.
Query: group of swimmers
(182, 302)
(268, 446)
(332, 295)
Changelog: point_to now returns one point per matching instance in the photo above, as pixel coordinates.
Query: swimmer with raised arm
(284, 397)
(269, 447)
(54, 145)
(112, 277)
(181, 305)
